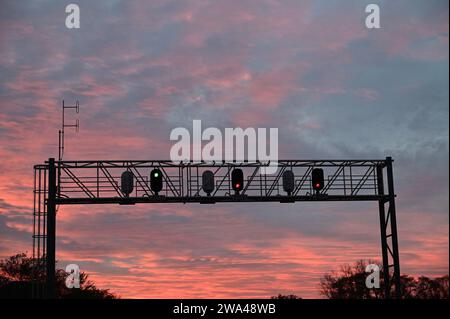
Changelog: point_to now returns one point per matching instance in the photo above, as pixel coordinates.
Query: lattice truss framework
(98, 182)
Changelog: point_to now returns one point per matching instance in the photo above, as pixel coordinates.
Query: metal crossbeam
(216, 199)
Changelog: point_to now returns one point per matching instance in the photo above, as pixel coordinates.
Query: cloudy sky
(334, 88)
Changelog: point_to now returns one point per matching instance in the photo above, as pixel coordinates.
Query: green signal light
(156, 174)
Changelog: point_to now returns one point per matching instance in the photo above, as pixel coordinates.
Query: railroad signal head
(156, 180)
(126, 183)
(237, 180)
(208, 182)
(317, 179)
(288, 182)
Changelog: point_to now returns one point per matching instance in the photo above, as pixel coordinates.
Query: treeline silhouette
(349, 282)
(18, 272)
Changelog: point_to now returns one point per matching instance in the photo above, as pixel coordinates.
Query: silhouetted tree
(280, 296)
(427, 288)
(350, 283)
(20, 269)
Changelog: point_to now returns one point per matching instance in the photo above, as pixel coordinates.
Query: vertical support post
(51, 231)
(393, 218)
(383, 226)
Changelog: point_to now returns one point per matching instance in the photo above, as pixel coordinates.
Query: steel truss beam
(98, 182)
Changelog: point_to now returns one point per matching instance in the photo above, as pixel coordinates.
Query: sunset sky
(334, 89)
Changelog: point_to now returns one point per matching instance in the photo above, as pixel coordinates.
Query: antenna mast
(64, 125)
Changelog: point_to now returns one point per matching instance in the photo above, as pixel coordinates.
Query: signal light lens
(127, 181)
(317, 179)
(208, 182)
(156, 181)
(237, 179)
(288, 181)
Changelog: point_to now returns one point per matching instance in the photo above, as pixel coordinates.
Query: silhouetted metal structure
(61, 132)
(98, 182)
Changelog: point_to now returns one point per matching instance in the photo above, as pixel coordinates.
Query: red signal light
(317, 179)
(237, 179)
